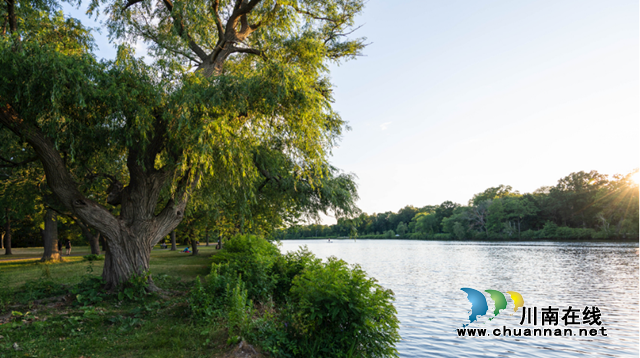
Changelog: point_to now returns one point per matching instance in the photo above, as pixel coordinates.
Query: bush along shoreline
(294, 304)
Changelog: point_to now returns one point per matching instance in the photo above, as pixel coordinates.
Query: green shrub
(252, 257)
(418, 236)
(270, 330)
(549, 230)
(89, 291)
(442, 236)
(288, 266)
(136, 289)
(575, 233)
(92, 257)
(247, 260)
(203, 302)
(307, 308)
(239, 312)
(529, 235)
(339, 312)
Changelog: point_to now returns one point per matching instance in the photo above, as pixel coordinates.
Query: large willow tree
(237, 102)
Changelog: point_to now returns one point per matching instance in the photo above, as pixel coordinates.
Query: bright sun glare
(636, 178)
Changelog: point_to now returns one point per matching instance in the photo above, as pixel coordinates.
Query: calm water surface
(426, 277)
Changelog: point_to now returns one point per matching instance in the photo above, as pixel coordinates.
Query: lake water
(426, 277)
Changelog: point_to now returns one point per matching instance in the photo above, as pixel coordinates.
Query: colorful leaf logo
(479, 306)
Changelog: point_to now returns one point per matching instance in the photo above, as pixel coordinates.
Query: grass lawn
(148, 326)
(23, 265)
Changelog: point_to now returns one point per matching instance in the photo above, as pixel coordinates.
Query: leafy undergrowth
(54, 315)
(158, 328)
(296, 305)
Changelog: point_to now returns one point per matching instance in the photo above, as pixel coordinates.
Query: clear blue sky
(452, 97)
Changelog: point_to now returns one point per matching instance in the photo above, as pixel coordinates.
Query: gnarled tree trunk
(126, 256)
(7, 234)
(50, 237)
(132, 234)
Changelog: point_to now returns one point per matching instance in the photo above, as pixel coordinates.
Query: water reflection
(426, 277)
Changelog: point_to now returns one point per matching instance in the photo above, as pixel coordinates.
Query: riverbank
(448, 238)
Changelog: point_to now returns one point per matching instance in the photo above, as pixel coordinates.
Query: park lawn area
(147, 326)
(24, 265)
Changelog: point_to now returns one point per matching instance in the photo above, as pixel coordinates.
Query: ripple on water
(426, 277)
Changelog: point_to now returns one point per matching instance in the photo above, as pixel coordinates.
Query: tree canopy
(234, 110)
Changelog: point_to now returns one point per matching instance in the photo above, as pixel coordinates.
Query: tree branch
(11, 16)
(173, 212)
(157, 143)
(177, 21)
(240, 11)
(333, 36)
(159, 42)
(248, 50)
(131, 3)
(92, 176)
(58, 177)
(12, 164)
(215, 8)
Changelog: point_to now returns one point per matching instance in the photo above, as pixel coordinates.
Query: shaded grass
(150, 329)
(152, 326)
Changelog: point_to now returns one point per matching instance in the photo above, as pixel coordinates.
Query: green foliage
(206, 302)
(402, 229)
(308, 308)
(583, 205)
(89, 291)
(39, 289)
(239, 311)
(289, 266)
(125, 324)
(271, 330)
(252, 258)
(256, 132)
(425, 223)
(6, 292)
(136, 289)
(550, 229)
(340, 312)
(93, 257)
(245, 264)
(501, 191)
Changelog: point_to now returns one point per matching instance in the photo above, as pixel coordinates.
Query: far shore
(467, 240)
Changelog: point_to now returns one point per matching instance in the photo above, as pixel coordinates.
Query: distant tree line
(583, 205)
